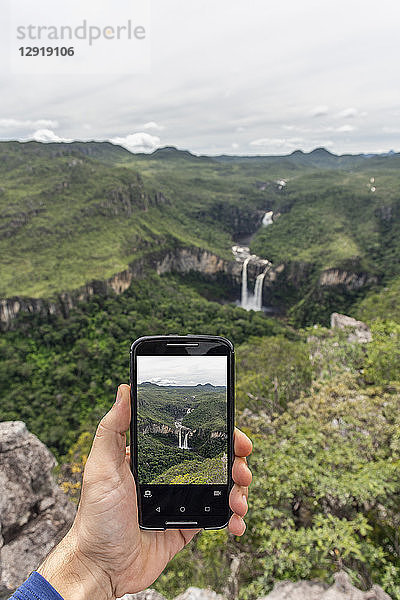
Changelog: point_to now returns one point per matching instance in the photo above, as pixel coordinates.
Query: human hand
(105, 554)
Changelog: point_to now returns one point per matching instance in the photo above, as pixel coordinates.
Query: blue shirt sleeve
(36, 587)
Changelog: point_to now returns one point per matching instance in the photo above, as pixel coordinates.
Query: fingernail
(245, 500)
(119, 396)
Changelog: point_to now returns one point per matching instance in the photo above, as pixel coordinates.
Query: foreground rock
(145, 595)
(192, 593)
(358, 331)
(34, 512)
(342, 589)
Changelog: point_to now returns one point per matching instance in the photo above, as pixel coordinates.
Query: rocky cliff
(241, 220)
(178, 260)
(283, 283)
(349, 279)
(34, 512)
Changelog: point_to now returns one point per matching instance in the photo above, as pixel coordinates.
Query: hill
(73, 213)
(82, 212)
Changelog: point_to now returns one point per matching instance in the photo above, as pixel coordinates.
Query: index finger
(243, 445)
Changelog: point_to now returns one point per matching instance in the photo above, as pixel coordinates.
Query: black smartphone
(182, 398)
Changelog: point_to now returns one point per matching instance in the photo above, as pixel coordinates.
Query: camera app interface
(182, 420)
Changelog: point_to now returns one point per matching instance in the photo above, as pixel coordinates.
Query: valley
(85, 218)
(99, 246)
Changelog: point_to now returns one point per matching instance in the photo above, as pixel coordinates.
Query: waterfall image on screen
(182, 419)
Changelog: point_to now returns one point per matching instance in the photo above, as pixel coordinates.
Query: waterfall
(258, 291)
(183, 444)
(267, 219)
(253, 301)
(183, 433)
(244, 302)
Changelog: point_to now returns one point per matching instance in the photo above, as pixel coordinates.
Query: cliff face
(238, 220)
(350, 280)
(283, 282)
(34, 512)
(288, 283)
(179, 260)
(159, 429)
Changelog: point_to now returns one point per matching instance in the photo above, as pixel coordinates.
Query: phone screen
(182, 420)
(182, 430)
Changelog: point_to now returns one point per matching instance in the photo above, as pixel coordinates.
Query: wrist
(73, 575)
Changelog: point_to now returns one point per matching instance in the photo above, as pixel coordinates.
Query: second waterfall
(252, 301)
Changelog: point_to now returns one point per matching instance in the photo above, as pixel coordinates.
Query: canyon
(243, 271)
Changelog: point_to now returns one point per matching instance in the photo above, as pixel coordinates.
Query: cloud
(348, 113)
(47, 135)
(287, 145)
(153, 125)
(331, 129)
(161, 381)
(138, 142)
(184, 89)
(344, 129)
(319, 111)
(23, 123)
(395, 130)
(235, 145)
(276, 142)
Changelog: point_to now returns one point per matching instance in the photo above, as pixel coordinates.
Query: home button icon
(182, 509)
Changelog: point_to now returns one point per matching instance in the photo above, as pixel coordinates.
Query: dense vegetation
(323, 410)
(156, 456)
(327, 482)
(59, 374)
(196, 472)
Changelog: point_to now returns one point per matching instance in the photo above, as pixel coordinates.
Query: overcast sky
(231, 76)
(182, 370)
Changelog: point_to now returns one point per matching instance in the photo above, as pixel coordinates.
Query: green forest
(321, 406)
(179, 427)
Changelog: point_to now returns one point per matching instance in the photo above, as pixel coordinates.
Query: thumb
(109, 444)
